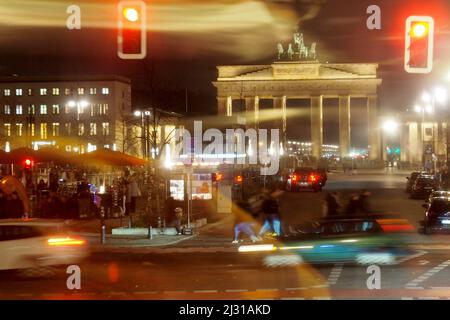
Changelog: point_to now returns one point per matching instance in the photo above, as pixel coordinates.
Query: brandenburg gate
(304, 78)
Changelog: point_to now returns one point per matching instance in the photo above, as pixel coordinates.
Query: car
(306, 178)
(376, 239)
(437, 215)
(423, 186)
(34, 247)
(411, 179)
(437, 194)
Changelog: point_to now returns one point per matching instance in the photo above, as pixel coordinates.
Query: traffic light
(216, 177)
(132, 30)
(419, 44)
(27, 163)
(238, 179)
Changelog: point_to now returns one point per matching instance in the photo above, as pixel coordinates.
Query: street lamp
(145, 135)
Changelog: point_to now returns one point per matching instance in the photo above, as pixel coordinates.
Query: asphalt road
(208, 267)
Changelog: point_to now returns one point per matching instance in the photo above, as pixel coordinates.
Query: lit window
(7, 109)
(68, 128)
(55, 129)
(19, 127)
(81, 129)
(67, 91)
(19, 92)
(43, 109)
(55, 91)
(80, 91)
(31, 129)
(69, 148)
(19, 109)
(105, 91)
(43, 91)
(8, 129)
(92, 109)
(43, 131)
(7, 92)
(93, 129)
(93, 91)
(55, 108)
(31, 109)
(105, 128)
(104, 108)
(30, 92)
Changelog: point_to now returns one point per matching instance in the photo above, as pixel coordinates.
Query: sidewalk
(217, 234)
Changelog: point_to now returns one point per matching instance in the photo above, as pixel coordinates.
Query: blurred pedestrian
(353, 204)
(133, 193)
(364, 205)
(169, 210)
(243, 222)
(331, 205)
(271, 211)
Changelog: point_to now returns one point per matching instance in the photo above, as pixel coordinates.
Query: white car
(34, 246)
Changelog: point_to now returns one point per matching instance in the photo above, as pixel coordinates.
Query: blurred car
(411, 179)
(364, 240)
(423, 186)
(32, 246)
(437, 215)
(306, 178)
(437, 194)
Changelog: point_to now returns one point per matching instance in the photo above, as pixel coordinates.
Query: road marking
(416, 255)
(293, 298)
(428, 274)
(206, 291)
(267, 290)
(423, 262)
(335, 274)
(146, 292)
(429, 298)
(236, 290)
(295, 289)
(440, 288)
(407, 298)
(174, 292)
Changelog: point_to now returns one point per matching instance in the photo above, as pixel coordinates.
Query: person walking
(271, 211)
(331, 205)
(364, 205)
(133, 193)
(353, 204)
(243, 222)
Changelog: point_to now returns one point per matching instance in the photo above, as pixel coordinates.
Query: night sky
(187, 39)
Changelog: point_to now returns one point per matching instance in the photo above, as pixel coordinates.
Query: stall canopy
(37, 156)
(108, 157)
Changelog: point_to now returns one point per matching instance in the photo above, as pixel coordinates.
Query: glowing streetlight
(72, 104)
(426, 97)
(440, 95)
(390, 126)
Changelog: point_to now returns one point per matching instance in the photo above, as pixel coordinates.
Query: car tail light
(312, 178)
(67, 241)
(294, 178)
(395, 225)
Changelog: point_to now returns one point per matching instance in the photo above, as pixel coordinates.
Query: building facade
(279, 82)
(75, 114)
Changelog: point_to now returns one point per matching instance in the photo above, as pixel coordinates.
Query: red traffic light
(27, 163)
(419, 43)
(132, 30)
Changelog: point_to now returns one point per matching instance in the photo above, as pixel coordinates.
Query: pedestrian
(3, 203)
(364, 205)
(428, 166)
(331, 205)
(169, 210)
(133, 193)
(271, 211)
(243, 222)
(353, 204)
(178, 219)
(15, 206)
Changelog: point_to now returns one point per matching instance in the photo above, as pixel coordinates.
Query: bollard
(150, 233)
(103, 236)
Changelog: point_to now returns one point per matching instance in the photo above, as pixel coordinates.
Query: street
(208, 266)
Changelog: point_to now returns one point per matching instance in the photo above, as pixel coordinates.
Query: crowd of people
(60, 199)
